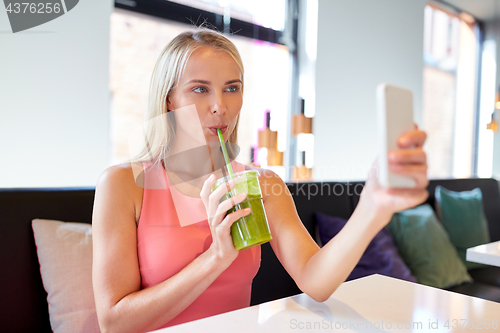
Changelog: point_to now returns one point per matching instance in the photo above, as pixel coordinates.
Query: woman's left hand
(410, 160)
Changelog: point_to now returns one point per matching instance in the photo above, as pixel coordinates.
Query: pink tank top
(165, 247)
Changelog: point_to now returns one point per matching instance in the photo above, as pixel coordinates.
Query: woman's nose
(218, 105)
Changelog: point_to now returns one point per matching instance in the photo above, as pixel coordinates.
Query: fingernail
(248, 210)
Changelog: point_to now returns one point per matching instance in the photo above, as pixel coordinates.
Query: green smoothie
(252, 229)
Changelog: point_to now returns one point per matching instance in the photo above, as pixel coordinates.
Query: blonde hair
(166, 74)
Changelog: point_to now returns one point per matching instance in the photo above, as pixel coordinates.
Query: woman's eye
(200, 89)
(232, 88)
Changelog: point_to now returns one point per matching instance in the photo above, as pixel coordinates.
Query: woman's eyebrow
(208, 82)
(198, 81)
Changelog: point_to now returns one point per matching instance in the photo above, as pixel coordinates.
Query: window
(449, 94)
(249, 11)
(137, 40)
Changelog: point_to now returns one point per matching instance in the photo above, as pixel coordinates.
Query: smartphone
(395, 117)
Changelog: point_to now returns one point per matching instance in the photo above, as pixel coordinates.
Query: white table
(488, 254)
(372, 304)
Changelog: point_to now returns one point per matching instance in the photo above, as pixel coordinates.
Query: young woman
(149, 271)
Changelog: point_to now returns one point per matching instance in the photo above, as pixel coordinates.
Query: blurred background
(73, 89)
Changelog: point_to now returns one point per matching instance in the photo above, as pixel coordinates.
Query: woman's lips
(214, 130)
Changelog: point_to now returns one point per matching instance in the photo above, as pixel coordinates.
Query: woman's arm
(319, 272)
(121, 305)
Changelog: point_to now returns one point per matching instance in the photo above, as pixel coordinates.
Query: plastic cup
(252, 229)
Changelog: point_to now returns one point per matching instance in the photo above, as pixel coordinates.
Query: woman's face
(212, 81)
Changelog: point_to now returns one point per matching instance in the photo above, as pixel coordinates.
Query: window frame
(288, 37)
(185, 14)
(479, 31)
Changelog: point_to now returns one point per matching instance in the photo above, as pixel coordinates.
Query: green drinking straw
(228, 163)
(230, 170)
(224, 152)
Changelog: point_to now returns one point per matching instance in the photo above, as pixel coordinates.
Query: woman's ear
(169, 104)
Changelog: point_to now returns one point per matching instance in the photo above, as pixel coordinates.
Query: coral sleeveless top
(165, 247)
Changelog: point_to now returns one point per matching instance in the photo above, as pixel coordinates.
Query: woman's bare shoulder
(270, 182)
(121, 175)
(121, 181)
(264, 174)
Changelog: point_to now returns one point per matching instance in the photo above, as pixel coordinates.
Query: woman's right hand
(220, 224)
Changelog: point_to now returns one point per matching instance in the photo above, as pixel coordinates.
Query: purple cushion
(381, 255)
